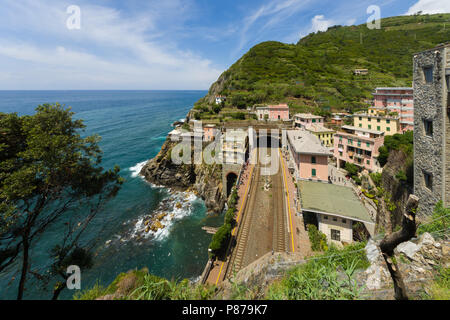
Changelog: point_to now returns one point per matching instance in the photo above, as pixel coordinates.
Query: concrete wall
(325, 226)
(429, 151)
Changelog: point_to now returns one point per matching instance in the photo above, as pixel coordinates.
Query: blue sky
(159, 44)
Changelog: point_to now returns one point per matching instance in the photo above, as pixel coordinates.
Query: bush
(318, 279)
(220, 240)
(229, 216)
(317, 238)
(440, 220)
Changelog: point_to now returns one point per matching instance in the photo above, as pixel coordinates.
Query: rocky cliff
(205, 180)
(398, 189)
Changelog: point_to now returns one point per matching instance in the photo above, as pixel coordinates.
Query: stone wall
(447, 143)
(429, 151)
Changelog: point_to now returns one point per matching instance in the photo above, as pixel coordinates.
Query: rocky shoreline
(203, 180)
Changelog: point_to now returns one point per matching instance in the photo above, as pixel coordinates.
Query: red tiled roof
(280, 106)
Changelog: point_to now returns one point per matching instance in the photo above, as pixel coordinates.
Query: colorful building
(303, 120)
(273, 112)
(209, 132)
(390, 125)
(358, 146)
(396, 100)
(324, 134)
(308, 157)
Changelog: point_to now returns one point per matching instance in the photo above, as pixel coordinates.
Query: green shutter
(313, 172)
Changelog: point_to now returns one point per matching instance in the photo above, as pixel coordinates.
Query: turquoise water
(133, 126)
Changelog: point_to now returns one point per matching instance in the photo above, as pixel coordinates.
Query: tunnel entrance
(231, 181)
(268, 141)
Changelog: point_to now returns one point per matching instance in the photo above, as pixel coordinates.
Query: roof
(304, 142)
(307, 116)
(318, 128)
(394, 88)
(332, 199)
(279, 106)
(362, 130)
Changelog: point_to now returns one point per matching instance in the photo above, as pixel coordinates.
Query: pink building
(209, 132)
(274, 113)
(358, 146)
(304, 120)
(399, 100)
(308, 157)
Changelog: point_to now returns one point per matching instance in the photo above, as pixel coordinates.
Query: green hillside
(317, 72)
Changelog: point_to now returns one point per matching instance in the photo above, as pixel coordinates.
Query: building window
(378, 120)
(340, 153)
(360, 118)
(334, 219)
(388, 129)
(313, 172)
(344, 221)
(368, 162)
(369, 119)
(325, 217)
(370, 126)
(428, 125)
(388, 121)
(378, 128)
(335, 235)
(360, 125)
(368, 144)
(428, 74)
(428, 178)
(313, 159)
(313, 120)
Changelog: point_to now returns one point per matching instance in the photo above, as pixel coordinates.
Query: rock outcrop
(205, 180)
(398, 190)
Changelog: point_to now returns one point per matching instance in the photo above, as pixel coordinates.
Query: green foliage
(140, 285)
(317, 238)
(325, 277)
(440, 220)
(376, 178)
(319, 68)
(401, 176)
(403, 142)
(229, 217)
(220, 240)
(440, 287)
(47, 170)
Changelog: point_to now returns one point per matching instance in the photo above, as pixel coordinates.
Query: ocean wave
(172, 209)
(175, 207)
(137, 169)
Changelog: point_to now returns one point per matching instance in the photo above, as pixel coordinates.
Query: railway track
(241, 255)
(280, 239)
(237, 256)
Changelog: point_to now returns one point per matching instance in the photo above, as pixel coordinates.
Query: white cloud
(274, 12)
(430, 7)
(319, 23)
(110, 51)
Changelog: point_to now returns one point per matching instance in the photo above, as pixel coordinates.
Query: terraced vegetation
(316, 74)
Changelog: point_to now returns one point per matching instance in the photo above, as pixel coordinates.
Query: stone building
(432, 127)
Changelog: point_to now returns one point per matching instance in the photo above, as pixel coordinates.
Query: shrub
(220, 239)
(317, 238)
(229, 216)
(440, 220)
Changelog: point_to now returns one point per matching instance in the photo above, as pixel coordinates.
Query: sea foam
(137, 169)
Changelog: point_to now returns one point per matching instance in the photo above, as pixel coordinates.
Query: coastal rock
(204, 180)
(373, 253)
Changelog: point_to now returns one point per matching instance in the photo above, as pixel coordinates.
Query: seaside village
(316, 153)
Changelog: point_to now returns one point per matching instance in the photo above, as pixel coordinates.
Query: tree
(48, 174)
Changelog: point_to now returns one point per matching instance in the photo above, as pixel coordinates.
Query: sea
(133, 125)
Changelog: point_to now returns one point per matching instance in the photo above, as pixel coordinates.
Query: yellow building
(387, 124)
(324, 134)
(377, 111)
